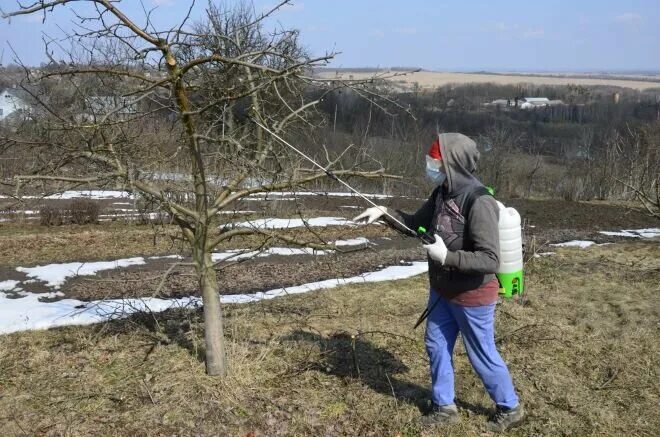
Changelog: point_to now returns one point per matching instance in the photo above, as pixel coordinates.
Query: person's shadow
(357, 358)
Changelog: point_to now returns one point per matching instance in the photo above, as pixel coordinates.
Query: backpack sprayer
(510, 272)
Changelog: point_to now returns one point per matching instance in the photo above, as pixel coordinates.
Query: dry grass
(29, 245)
(434, 79)
(583, 353)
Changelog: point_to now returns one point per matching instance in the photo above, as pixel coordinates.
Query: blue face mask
(436, 176)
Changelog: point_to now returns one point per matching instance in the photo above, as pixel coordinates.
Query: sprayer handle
(425, 236)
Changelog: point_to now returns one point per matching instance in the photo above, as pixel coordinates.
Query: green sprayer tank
(510, 273)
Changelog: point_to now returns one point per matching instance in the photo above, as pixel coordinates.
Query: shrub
(50, 215)
(83, 211)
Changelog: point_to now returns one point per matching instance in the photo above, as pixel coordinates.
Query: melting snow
(26, 212)
(277, 223)
(575, 243)
(166, 257)
(352, 242)
(635, 233)
(319, 193)
(90, 194)
(8, 285)
(540, 254)
(239, 254)
(29, 312)
(54, 275)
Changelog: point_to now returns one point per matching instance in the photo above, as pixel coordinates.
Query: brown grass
(29, 245)
(583, 353)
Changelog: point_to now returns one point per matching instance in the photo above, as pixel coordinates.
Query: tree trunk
(216, 362)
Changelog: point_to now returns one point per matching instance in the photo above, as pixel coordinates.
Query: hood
(460, 156)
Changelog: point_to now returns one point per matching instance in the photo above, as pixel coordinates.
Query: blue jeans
(477, 328)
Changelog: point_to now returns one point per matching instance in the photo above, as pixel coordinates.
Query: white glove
(371, 214)
(437, 251)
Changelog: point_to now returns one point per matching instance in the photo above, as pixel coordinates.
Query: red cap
(435, 150)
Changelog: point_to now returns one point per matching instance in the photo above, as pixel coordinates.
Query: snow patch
(319, 193)
(277, 223)
(241, 254)
(30, 312)
(89, 194)
(542, 254)
(238, 254)
(237, 212)
(8, 285)
(575, 243)
(634, 233)
(54, 275)
(352, 242)
(26, 212)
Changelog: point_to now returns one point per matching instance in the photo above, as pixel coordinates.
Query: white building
(11, 102)
(538, 102)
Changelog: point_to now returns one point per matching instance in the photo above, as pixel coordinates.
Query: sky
(467, 35)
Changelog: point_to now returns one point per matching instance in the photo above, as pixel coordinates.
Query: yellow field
(432, 79)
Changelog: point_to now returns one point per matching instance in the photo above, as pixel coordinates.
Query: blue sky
(505, 35)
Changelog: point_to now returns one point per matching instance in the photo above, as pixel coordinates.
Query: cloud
(628, 18)
(162, 2)
(406, 30)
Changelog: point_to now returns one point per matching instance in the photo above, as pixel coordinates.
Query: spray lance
(421, 233)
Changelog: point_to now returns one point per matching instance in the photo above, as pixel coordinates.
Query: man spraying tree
(463, 259)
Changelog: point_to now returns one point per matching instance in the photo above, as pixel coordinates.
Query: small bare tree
(634, 164)
(174, 115)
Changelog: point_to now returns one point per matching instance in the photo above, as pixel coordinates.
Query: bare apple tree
(174, 116)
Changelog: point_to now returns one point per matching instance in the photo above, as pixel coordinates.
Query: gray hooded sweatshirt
(472, 242)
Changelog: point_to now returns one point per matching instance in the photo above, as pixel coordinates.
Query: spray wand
(421, 231)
